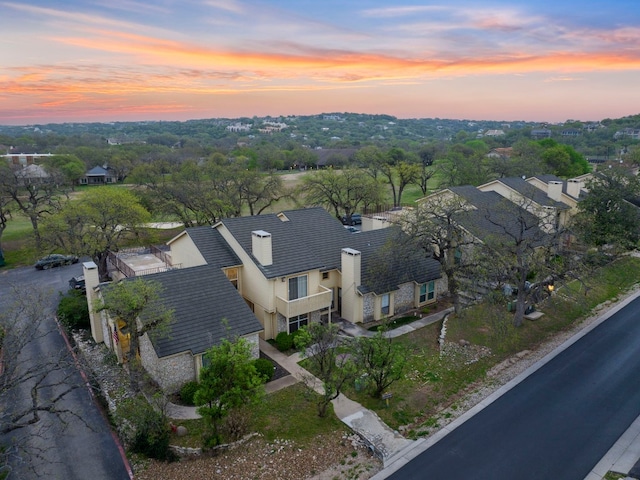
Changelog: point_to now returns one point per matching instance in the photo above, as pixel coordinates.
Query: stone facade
(404, 298)
(171, 372)
(368, 307)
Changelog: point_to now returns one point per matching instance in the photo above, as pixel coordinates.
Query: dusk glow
(99, 60)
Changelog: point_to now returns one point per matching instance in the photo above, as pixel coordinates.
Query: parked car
(356, 219)
(352, 229)
(55, 260)
(77, 283)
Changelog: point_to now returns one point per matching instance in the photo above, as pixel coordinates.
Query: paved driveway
(84, 449)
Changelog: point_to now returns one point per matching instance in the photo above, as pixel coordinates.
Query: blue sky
(176, 60)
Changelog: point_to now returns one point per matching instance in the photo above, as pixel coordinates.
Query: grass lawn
(432, 383)
(286, 414)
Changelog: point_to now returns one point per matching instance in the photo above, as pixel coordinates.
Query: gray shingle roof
(384, 268)
(207, 308)
(310, 239)
(527, 190)
(495, 215)
(313, 239)
(213, 247)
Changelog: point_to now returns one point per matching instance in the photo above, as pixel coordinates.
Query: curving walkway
(382, 440)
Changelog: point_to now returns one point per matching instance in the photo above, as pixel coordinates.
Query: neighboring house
(568, 191)
(207, 309)
(25, 159)
(300, 265)
(552, 212)
(540, 133)
(482, 218)
(98, 176)
(494, 133)
(261, 275)
(31, 174)
(492, 214)
(503, 152)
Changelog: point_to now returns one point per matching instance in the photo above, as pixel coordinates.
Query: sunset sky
(110, 60)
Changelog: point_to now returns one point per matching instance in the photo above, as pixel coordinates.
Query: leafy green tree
(435, 224)
(398, 168)
(145, 428)
(427, 154)
(563, 160)
(35, 191)
(381, 359)
(5, 203)
(97, 223)
(138, 303)
(519, 250)
(228, 381)
(334, 369)
(73, 310)
(606, 215)
(343, 191)
(71, 167)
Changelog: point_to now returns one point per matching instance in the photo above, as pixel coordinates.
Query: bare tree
(137, 303)
(33, 383)
(519, 250)
(35, 191)
(343, 191)
(436, 225)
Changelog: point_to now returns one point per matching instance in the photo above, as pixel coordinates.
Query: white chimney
(91, 281)
(261, 247)
(351, 262)
(554, 190)
(573, 187)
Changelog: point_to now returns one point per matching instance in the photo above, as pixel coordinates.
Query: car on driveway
(78, 283)
(356, 219)
(55, 260)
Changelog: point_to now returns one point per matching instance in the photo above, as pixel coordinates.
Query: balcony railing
(317, 301)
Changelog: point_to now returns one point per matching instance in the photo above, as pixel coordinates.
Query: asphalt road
(81, 449)
(556, 424)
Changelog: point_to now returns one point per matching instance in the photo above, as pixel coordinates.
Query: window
(427, 292)
(384, 305)
(295, 323)
(232, 275)
(325, 275)
(297, 287)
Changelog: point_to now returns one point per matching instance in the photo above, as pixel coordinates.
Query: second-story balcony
(321, 300)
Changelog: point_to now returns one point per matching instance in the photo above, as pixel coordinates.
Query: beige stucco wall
(185, 252)
(255, 287)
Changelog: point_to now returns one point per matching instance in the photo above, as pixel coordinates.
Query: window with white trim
(384, 304)
(297, 322)
(427, 291)
(297, 287)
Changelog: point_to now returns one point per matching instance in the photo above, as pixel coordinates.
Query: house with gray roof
(568, 191)
(300, 266)
(257, 276)
(206, 309)
(99, 176)
(552, 213)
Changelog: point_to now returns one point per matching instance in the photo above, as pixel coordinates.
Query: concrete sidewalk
(382, 440)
